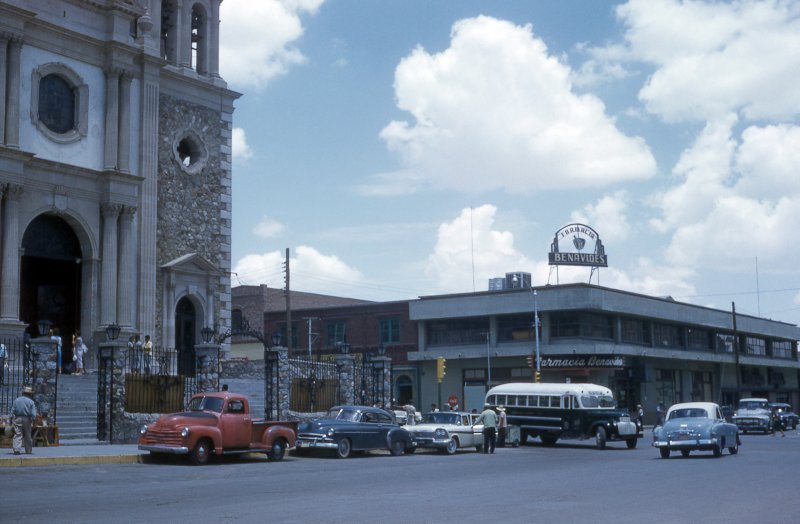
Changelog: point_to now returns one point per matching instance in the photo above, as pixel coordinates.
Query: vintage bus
(568, 411)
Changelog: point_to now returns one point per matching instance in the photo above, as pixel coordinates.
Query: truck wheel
(278, 450)
(600, 437)
(631, 443)
(664, 452)
(201, 453)
(398, 448)
(344, 448)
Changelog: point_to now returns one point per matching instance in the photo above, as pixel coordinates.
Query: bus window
(522, 400)
(574, 402)
(491, 399)
(555, 402)
(512, 400)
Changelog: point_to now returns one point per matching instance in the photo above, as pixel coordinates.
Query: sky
(406, 148)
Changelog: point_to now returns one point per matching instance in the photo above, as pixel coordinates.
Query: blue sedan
(696, 426)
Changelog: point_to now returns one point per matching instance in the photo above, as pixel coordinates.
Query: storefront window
(458, 332)
(668, 386)
(701, 386)
(583, 325)
(517, 327)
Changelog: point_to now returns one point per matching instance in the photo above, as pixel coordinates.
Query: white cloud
(468, 250)
(398, 183)
(311, 271)
(495, 110)
(257, 38)
(712, 58)
(241, 150)
(608, 216)
(268, 228)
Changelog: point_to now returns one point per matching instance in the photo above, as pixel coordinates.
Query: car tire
(733, 450)
(398, 448)
(600, 437)
(277, 451)
(631, 443)
(201, 453)
(664, 452)
(344, 448)
(452, 446)
(718, 449)
(685, 453)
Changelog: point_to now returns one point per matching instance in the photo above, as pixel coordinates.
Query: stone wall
(242, 368)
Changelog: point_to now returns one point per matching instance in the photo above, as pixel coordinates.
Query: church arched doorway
(185, 329)
(50, 279)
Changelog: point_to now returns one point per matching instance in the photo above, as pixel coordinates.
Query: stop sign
(452, 401)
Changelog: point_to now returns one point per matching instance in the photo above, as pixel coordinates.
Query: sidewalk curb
(16, 462)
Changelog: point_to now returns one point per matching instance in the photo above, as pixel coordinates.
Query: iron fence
(314, 384)
(15, 371)
(156, 382)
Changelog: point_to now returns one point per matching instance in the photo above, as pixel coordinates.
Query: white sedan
(448, 431)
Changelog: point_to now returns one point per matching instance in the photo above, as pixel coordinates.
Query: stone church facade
(115, 169)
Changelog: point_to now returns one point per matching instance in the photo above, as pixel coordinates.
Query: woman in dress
(80, 350)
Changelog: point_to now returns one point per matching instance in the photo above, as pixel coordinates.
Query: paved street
(572, 482)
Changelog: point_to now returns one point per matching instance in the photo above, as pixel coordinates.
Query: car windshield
(342, 414)
(597, 401)
(689, 413)
(752, 404)
(440, 418)
(206, 404)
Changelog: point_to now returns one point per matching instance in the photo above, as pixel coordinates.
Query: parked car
(753, 414)
(696, 426)
(788, 417)
(448, 431)
(216, 424)
(345, 429)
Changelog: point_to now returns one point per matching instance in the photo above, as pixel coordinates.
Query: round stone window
(190, 152)
(56, 104)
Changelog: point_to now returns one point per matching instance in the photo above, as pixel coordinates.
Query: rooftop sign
(577, 245)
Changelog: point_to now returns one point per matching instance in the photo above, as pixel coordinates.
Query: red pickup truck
(219, 424)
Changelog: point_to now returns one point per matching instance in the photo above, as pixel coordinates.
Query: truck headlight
(185, 432)
(143, 430)
(440, 433)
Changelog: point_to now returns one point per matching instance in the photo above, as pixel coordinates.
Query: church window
(59, 103)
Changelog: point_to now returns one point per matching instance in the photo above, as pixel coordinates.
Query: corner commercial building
(646, 349)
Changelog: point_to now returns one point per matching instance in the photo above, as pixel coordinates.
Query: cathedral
(115, 170)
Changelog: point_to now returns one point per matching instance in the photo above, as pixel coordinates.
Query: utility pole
(736, 352)
(287, 293)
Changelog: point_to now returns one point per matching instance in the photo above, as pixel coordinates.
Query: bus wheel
(600, 437)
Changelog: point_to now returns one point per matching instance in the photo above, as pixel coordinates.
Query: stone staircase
(77, 409)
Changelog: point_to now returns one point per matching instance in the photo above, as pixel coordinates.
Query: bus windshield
(597, 401)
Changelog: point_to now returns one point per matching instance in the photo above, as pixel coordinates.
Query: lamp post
(536, 330)
(488, 362)
(207, 333)
(112, 331)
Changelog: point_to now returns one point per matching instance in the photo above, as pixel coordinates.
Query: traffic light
(538, 376)
(440, 370)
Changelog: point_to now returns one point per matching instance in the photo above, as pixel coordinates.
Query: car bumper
(696, 443)
(315, 443)
(160, 448)
(427, 442)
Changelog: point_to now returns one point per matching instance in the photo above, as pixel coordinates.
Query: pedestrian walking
(23, 411)
(80, 350)
(489, 420)
(502, 426)
(55, 335)
(660, 412)
(147, 353)
(777, 422)
(3, 365)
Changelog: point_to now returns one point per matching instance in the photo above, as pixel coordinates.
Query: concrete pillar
(3, 82)
(112, 119)
(126, 283)
(9, 280)
(345, 369)
(108, 301)
(281, 382)
(124, 135)
(184, 34)
(13, 93)
(44, 377)
(213, 57)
